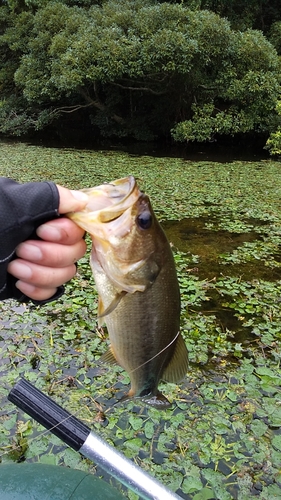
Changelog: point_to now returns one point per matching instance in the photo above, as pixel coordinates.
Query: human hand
(43, 265)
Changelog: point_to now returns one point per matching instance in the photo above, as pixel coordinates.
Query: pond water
(192, 236)
(221, 438)
(223, 152)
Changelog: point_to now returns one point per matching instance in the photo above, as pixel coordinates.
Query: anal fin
(178, 365)
(109, 357)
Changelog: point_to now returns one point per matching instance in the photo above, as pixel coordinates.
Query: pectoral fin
(178, 365)
(114, 303)
(100, 313)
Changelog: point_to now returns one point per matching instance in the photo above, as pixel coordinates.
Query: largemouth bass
(135, 276)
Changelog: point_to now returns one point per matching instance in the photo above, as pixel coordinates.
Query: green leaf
(191, 484)
(258, 427)
(71, 459)
(204, 494)
(136, 422)
(276, 442)
(133, 444)
(149, 429)
(10, 422)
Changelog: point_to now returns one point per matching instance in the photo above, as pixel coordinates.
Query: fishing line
(45, 432)
(158, 353)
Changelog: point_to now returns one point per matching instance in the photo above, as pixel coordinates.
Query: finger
(34, 292)
(71, 201)
(51, 254)
(40, 276)
(62, 230)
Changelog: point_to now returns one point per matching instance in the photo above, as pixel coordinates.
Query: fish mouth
(107, 203)
(112, 199)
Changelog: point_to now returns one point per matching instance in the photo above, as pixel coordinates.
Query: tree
(141, 68)
(275, 36)
(242, 95)
(273, 143)
(242, 14)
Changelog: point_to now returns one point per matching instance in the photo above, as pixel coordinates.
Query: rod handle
(48, 413)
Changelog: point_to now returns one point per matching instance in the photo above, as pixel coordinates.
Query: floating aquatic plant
(221, 438)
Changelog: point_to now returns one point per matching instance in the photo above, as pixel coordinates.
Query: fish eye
(144, 220)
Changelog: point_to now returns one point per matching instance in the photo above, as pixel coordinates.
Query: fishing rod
(80, 438)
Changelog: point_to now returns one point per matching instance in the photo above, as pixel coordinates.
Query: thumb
(71, 201)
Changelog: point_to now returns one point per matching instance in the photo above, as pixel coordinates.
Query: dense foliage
(256, 14)
(142, 69)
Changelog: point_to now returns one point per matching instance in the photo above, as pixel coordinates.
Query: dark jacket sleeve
(23, 207)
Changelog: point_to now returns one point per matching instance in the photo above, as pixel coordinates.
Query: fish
(139, 297)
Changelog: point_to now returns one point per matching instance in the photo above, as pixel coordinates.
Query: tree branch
(144, 89)
(90, 103)
(98, 104)
(71, 109)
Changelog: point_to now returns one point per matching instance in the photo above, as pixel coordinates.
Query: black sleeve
(23, 207)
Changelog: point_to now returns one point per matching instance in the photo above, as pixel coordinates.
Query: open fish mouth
(107, 203)
(112, 199)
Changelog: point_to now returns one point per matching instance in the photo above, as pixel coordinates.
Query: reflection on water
(207, 151)
(193, 237)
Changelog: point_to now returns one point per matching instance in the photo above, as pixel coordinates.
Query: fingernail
(21, 271)
(79, 195)
(29, 252)
(25, 288)
(49, 232)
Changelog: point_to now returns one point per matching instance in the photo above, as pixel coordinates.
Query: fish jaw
(110, 218)
(130, 256)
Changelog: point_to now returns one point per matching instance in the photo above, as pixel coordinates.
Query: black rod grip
(48, 413)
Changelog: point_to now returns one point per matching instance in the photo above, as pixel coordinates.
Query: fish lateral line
(170, 374)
